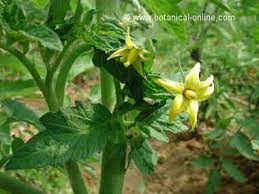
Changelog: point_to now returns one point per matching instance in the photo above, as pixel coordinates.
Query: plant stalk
(76, 178)
(15, 186)
(113, 168)
(74, 173)
(114, 154)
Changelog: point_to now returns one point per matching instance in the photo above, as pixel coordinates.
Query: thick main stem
(114, 154)
(74, 173)
(113, 168)
(17, 187)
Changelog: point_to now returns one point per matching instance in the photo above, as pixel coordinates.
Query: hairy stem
(114, 155)
(75, 177)
(113, 168)
(75, 51)
(29, 66)
(74, 173)
(14, 186)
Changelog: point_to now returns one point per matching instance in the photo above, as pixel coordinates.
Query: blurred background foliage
(229, 50)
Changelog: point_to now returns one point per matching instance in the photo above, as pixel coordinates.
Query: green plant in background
(49, 37)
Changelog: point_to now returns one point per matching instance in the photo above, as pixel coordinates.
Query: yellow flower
(188, 94)
(130, 54)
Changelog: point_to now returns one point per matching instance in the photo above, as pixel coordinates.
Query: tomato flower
(188, 94)
(130, 54)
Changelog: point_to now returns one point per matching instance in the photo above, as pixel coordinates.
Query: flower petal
(192, 79)
(207, 82)
(139, 68)
(204, 93)
(170, 86)
(118, 53)
(129, 43)
(192, 110)
(132, 57)
(176, 107)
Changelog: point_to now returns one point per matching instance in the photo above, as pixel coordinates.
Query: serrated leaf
(72, 134)
(243, 145)
(57, 11)
(203, 162)
(41, 33)
(155, 123)
(16, 143)
(167, 7)
(106, 36)
(18, 112)
(213, 182)
(16, 88)
(144, 157)
(233, 171)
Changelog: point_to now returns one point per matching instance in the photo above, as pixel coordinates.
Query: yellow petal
(132, 57)
(207, 82)
(204, 93)
(176, 107)
(170, 86)
(139, 68)
(118, 53)
(192, 110)
(192, 79)
(129, 43)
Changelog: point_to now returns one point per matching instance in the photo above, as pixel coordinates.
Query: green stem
(75, 51)
(74, 173)
(73, 170)
(76, 178)
(114, 154)
(107, 89)
(16, 187)
(113, 169)
(29, 66)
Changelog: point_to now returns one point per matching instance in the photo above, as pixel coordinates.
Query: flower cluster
(187, 94)
(130, 54)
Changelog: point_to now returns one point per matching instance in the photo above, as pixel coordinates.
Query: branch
(12, 185)
(29, 66)
(65, 67)
(50, 74)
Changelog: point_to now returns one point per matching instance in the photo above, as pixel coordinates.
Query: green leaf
(15, 88)
(250, 127)
(155, 123)
(3, 118)
(243, 145)
(72, 134)
(216, 134)
(203, 162)
(144, 157)
(18, 112)
(221, 5)
(5, 134)
(41, 33)
(233, 171)
(167, 7)
(106, 35)
(57, 11)
(16, 143)
(128, 76)
(213, 182)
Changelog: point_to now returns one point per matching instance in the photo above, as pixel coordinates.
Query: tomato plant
(47, 38)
